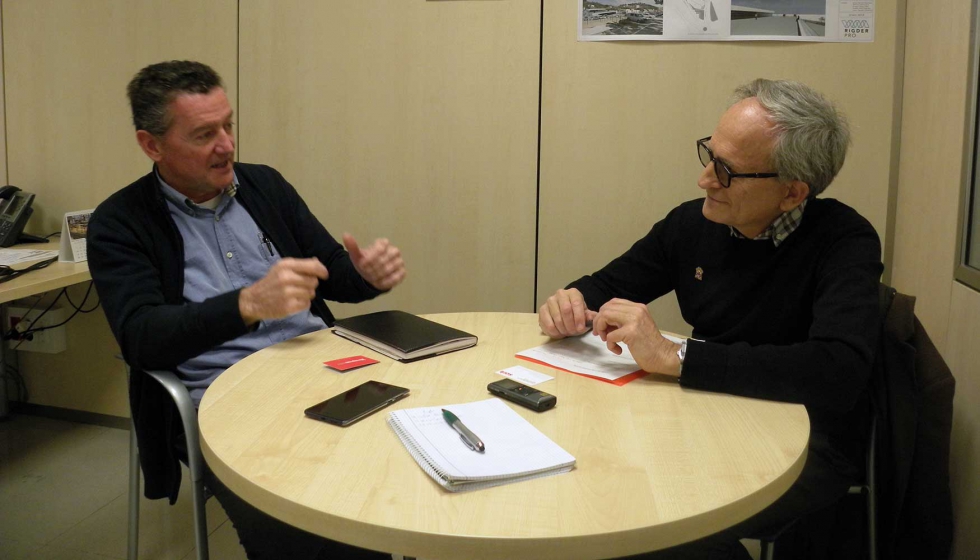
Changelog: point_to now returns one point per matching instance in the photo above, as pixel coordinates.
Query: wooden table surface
(657, 465)
(55, 276)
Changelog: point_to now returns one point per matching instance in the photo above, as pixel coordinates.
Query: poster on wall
(835, 21)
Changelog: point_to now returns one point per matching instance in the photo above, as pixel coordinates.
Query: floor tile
(58, 553)
(222, 543)
(165, 531)
(54, 474)
(15, 549)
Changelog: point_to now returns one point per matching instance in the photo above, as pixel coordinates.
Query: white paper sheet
(524, 375)
(588, 355)
(515, 449)
(9, 257)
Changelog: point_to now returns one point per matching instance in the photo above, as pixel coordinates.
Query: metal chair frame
(195, 461)
(768, 544)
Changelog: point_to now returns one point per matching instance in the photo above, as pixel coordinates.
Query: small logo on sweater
(698, 273)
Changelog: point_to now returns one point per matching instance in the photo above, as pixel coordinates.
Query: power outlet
(50, 341)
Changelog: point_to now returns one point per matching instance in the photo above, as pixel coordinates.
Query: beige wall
(432, 113)
(931, 163)
(415, 121)
(3, 127)
(70, 140)
(620, 120)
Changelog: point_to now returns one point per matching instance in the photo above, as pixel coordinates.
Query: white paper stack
(515, 450)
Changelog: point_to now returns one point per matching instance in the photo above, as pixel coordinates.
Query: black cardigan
(136, 257)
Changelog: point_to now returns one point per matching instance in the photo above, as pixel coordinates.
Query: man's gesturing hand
(287, 288)
(380, 264)
(564, 314)
(620, 320)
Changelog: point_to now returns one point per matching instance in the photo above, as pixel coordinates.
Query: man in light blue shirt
(204, 261)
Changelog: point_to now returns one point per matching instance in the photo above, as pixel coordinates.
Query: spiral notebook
(515, 450)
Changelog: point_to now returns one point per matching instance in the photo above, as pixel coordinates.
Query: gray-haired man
(780, 287)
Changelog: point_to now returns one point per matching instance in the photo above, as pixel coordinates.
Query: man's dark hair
(154, 87)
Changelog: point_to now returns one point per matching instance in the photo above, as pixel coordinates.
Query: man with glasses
(779, 285)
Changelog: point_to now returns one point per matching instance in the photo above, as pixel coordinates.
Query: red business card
(347, 364)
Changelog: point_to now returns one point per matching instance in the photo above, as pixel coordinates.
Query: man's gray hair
(812, 135)
(154, 87)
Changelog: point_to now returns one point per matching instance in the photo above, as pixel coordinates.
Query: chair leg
(134, 497)
(872, 497)
(195, 461)
(872, 525)
(200, 521)
(768, 550)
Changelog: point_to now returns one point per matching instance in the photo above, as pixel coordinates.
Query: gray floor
(63, 490)
(63, 496)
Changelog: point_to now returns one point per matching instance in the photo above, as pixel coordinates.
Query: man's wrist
(681, 354)
(245, 308)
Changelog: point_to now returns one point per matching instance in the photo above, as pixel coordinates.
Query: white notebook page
(513, 445)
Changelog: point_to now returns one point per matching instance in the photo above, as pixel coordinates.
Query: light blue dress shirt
(225, 250)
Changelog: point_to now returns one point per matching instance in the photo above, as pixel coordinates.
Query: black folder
(403, 336)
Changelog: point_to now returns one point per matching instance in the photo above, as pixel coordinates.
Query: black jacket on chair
(912, 389)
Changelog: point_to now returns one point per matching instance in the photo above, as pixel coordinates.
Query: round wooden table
(657, 465)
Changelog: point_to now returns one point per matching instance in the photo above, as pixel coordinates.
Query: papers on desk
(10, 257)
(515, 450)
(588, 355)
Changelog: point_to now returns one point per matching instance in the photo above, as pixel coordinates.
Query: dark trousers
(825, 478)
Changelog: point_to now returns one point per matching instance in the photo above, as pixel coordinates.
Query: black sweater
(795, 323)
(136, 257)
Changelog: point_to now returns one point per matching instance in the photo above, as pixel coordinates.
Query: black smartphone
(352, 405)
(529, 397)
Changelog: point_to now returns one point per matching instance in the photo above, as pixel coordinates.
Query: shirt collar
(187, 205)
(780, 228)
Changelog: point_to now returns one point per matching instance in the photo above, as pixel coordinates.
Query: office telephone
(15, 209)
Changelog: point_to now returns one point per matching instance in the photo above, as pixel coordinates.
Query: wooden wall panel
(931, 162)
(963, 357)
(71, 141)
(3, 123)
(415, 121)
(620, 120)
(930, 173)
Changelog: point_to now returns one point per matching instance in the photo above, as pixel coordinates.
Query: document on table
(10, 257)
(515, 449)
(587, 355)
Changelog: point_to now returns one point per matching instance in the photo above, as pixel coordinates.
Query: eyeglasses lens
(704, 155)
(721, 171)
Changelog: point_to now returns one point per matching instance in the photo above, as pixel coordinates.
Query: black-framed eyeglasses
(722, 171)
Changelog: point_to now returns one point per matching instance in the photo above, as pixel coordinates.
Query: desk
(55, 276)
(657, 465)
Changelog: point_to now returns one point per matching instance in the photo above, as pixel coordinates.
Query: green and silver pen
(469, 438)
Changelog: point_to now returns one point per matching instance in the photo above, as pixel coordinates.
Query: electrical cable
(14, 334)
(70, 317)
(79, 307)
(7, 274)
(12, 373)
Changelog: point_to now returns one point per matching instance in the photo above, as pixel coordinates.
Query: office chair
(188, 415)
(867, 488)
